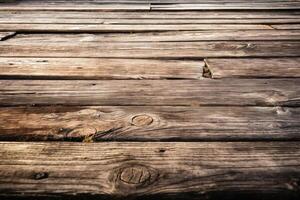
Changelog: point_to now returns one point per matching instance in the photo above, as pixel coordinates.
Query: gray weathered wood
(93, 68)
(157, 170)
(254, 68)
(196, 50)
(259, 92)
(148, 123)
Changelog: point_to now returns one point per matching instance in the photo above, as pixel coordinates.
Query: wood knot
(128, 178)
(135, 175)
(142, 120)
(40, 175)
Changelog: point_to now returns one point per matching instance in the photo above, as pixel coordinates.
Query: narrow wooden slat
(85, 68)
(151, 170)
(122, 21)
(58, 123)
(170, 36)
(262, 92)
(199, 15)
(196, 50)
(254, 68)
(287, 26)
(99, 28)
(227, 6)
(100, 7)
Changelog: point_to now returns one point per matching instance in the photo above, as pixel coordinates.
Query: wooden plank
(254, 68)
(226, 6)
(63, 7)
(99, 28)
(258, 92)
(195, 50)
(199, 15)
(170, 36)
(287, 26)
(152, 170)
(123, 21)
(148, 123)
(93, 68)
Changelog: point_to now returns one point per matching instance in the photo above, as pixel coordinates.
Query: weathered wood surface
(170, 36)
(196, 50)
(183, 5)
(287, 26)
(254, 68)
(154, 15)
(258, 92)
(148, 123)
(98, 28)
(93, 68)
(151, 170)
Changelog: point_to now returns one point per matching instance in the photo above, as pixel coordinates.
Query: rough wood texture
(262, 92)
(84, 68)
(170, 36)
(177, 50)
(287, 26)
(151, 170)
(254, 68)
(5, 35)
(148, 123)
(99, 28)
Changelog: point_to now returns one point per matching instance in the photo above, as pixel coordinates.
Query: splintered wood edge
(6, 35)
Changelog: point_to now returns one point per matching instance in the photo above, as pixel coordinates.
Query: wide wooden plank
(254, 68)
(93, 68)
(170, 36)
(258, 92)
(196, 50)
(269, 170)
(99, 28)
(148, 123)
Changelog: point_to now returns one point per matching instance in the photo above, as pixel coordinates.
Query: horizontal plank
(258, 92)
(286, 26)
(199, 15)
(64, 7)
(95, 68)
(227, 6)
(254, 68)
(99, 28)
(123, 21)
(268, 170)
(196, 50)
(148, 123)
(170, 36)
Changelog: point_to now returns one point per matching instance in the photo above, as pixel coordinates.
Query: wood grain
(151, 170)
(148, 123)
(99, 28)
(254, 68)
(170, 36)
(93, 68)
(258, 92)
(287, 26)
(196, 50)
